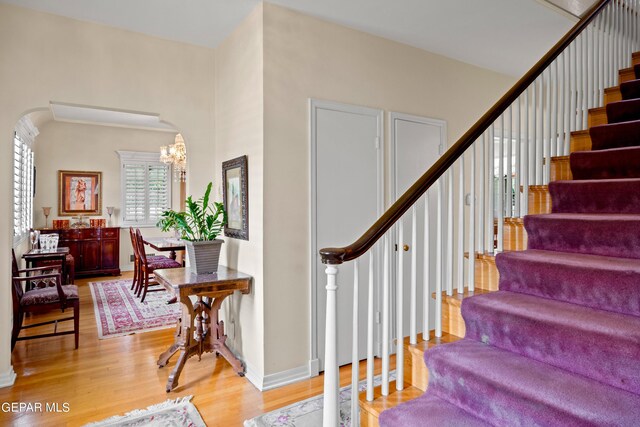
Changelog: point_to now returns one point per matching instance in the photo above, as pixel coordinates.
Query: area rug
(119, 312)
(178, 412)
(308, 413)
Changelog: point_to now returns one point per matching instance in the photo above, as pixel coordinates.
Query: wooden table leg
(184, 342)
(217, 338)
(164, 357)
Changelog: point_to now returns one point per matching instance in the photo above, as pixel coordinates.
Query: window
(22, 188)
(146, 188)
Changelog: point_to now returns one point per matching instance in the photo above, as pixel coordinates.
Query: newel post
(331, 408)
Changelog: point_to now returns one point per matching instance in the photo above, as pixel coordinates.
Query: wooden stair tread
(456, 298)
(626, 74)
(560, 158)
(381, 403)
(485, 256)
(423, 346)
(582, 132)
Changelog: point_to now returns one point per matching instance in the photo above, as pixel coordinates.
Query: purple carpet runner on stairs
(559, 343)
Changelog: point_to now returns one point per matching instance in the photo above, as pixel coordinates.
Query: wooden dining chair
(48, 293)
(136, 284)
(147, 267)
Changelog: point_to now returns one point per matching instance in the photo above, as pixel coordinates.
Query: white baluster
(331, 385)
(490, 232)
(525, 156)
(439, 250)
(508, 166)
(413, 334)
(370, 356)
(481, 192)
(573, 84)
(518, 160)
(385, 318)
(539, 132)
(460, 257)
(563, 105)
(554, 115)
(546, 153)
(472, 219)
(501, 191)
(400, 309)
(585, 81)
(450, 219)
(355, 359)
(426, 281)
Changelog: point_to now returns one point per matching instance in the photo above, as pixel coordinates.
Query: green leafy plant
(202, 221)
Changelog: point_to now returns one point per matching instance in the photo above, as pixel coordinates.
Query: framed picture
(235, 197)
(79, 192)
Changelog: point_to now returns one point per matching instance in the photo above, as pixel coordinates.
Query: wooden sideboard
(96, 251)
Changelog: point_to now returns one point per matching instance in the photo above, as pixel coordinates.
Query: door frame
(314, 106)
(393, 195)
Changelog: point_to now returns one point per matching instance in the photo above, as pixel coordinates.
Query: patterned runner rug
(179, 412)
(308, 412)
(119, 312)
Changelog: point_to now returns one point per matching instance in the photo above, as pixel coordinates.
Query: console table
(96, 250)
(199, 329)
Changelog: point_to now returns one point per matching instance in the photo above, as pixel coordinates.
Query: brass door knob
(406, 248)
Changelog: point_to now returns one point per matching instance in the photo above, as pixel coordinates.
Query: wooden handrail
(402, 205)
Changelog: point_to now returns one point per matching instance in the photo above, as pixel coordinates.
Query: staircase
(559, 343)
(531, 266)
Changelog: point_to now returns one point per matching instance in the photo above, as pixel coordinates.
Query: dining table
(166, 244)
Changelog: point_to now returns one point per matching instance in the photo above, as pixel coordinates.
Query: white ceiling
(503, 35)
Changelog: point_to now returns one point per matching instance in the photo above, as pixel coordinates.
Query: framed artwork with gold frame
(79, 193)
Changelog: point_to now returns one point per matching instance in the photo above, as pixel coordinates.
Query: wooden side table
(199, 329)
(34, 257)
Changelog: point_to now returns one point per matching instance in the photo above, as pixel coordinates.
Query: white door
(416, 143)
(346, 199)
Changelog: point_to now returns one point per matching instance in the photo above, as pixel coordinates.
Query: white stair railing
(491, 184)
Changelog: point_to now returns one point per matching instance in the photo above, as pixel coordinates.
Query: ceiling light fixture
(176, 155)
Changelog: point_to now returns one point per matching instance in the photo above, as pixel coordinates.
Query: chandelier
(176, 155)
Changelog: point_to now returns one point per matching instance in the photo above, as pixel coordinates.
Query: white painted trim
(278, 379)
(139, 156)
(7, 379)
(314, 105)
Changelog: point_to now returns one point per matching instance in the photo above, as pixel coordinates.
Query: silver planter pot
(204, 256)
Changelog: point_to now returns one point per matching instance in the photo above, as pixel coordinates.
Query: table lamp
(110, 210)
(46, 211)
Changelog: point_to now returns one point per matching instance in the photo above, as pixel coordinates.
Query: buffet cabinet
(96, 251)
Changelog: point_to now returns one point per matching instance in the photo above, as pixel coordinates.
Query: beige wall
(256, 88)
(307, 58)
(71, 146)
(51, 58)
(239, 131)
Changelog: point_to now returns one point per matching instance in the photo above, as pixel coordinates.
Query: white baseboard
(314, 367)
(8, 378)
(278, 379)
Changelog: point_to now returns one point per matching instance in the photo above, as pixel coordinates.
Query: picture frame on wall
(235, 194)
(79, 193)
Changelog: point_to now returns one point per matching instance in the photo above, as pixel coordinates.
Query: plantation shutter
(17, 186)
(22, 187)
(158, 176)
(134, 193)
(146, 187)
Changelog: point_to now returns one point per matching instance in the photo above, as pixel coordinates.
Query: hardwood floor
(109, 377)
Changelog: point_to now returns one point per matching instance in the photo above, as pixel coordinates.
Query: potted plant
(199, 226)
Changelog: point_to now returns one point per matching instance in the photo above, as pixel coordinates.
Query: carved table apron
(199, 329)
